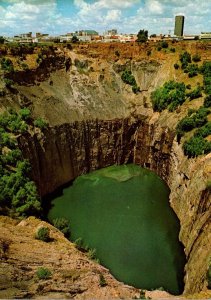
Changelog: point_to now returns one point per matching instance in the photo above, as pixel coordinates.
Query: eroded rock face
(76, 88)
(73, 274)
(64, 152)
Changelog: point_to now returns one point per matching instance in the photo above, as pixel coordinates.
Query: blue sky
(128, 16)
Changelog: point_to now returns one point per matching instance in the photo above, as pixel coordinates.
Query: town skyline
(61, 16)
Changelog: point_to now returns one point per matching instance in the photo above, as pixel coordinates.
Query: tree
(75, 39)
(142, 36)
(2, 40)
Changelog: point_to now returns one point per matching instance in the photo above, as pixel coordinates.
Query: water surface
(123, 212)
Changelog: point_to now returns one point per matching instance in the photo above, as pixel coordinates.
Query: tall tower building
(179, 25)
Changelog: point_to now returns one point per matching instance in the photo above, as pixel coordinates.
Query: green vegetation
(204, 131)
(8, 82)
(206, 71)
(192, 70)
(193, 120)
(207, 101)
(40, 123)
(91, 253)
(208, 187)
(173, 49)
(18, 194)
(6, 64)
(2, 40)
(196, 57)
(196, 146)
(164, 44)
(102, 280)
(142, 36)
(170, 95)
(129, 78)
(43, 234)
(74, 39)
(185, 59)
(79, 244)
(209, 277)
(43, 273)
(63, 225)
(196, 93)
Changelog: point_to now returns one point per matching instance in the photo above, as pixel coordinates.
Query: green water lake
(123, 212)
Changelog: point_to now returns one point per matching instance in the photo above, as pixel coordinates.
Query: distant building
(40, 35)
(86, 33)
(179, 25)
(205, 35)
(23, 38)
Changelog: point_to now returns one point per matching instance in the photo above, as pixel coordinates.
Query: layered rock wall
(64, 152)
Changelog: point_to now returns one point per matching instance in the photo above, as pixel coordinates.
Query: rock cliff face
(64, 152)
(79, 88)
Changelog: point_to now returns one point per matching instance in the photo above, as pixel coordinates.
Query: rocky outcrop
(73, 274)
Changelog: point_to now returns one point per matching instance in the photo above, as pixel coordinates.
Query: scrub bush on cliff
(206, 71)
(63, 225)
(196, 146)
(170, 95)
(129, 78)
(194, 120)
(18, 194)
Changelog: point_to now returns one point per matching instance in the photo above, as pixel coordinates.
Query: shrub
(197, 119)
(43, 273)
(196, 146)
(170, 95)
(25, 113)
(196, 93)
(192, 70)
(18, 195)
(209, 277)
(164, 44)
(207, 101)
(196, 57)
(40, 123)
(79, 244)
(206, 71)
(176, 66)
(188, 86)
(185, 59)
(8, 82)
(43, 234)
(63, 225)
(91, 253)
(7, 64)
(159, 48)
(204, 131)
(129, 78)
(102, 280)
(149, 52)
(117, 53)
(172, 50)
(24, 66)
(135, 89)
